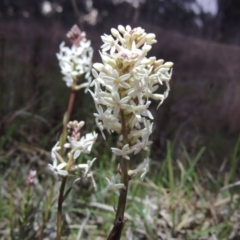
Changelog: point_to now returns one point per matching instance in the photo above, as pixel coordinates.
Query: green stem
(67, 118)
(59, 213)
(123, 195)
(61, 198)
(11, 204)
(116, 232)
(64, 179)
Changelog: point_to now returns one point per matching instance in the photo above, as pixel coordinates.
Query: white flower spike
(124, 83)
(76, 145)
(77, 60)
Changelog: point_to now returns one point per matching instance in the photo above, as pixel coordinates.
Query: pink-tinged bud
(31, 176)
(74, 128)
(76, 35)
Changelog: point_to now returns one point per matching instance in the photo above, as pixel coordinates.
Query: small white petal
(76, 154)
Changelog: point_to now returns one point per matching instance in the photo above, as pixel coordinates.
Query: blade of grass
(234, 161)
(192, 164)
(170, 167)
(201, 233)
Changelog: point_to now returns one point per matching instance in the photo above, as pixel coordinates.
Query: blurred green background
(201, 37)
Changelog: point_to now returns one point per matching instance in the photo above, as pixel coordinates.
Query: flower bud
(108, 60)
(168, 64)
(31, 177)
(157, 96)
(127, 36)
(150, 36)
(81, 124)
(146, 48)
(114, 32)
(99, 66)
(121, 29)
(131, 173)
(145, 61)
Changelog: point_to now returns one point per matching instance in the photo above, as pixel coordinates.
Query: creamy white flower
(89, 163)
(116, 81)
(117, 103)
(54, 150)
(147, 131)
(97, 78)
(109, 44)
(83, 145)
(101, 128)
(86, 166)
(111, 185)
(144, 144)
(106, 117)
(140, 110)
(124, 152)
(90, 139)
(57, 169)
(142, 168)
(137, 89)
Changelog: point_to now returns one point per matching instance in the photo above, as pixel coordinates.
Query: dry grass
(174, 204)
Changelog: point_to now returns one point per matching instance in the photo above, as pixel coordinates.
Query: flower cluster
(77, 145)
(124, 84)
(77, 60)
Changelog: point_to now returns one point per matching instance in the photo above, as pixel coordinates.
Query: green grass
(174, 187)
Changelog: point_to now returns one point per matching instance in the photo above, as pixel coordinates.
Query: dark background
(203, 106)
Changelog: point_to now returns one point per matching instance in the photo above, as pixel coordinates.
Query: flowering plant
(77, 60)
(61, 168)
(74, 62)
(124, 83)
